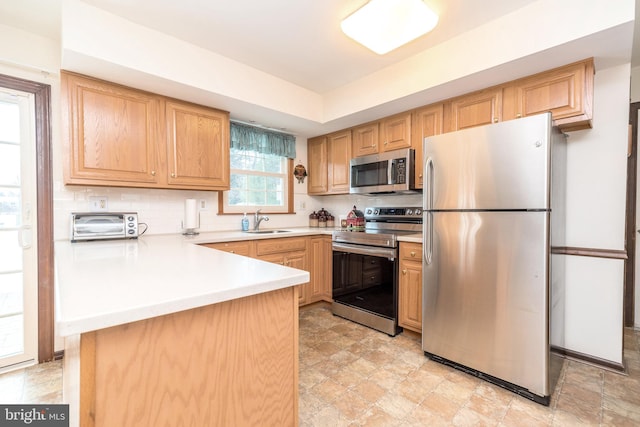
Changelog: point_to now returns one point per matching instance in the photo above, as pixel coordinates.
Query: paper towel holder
(191, 218)
(190, 231)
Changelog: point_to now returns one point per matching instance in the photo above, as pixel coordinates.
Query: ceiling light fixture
(384, 25)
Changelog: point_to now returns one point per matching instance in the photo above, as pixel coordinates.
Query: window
(260, 163)
(258, 181)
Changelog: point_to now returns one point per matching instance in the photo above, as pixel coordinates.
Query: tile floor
(351, 375)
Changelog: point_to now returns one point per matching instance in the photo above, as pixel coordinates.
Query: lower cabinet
(312, 254)
(319, 289)
(410, 287)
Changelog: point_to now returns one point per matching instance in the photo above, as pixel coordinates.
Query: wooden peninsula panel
(229, 364)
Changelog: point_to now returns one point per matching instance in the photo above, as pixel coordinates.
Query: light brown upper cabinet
(339, 149)
(395, 132)
(365, 139)
(329, 158)
(198, 146)
(566, 91)
(123, 137)
(426, 121)
(475, 109)
(317, 152)
(112, 133)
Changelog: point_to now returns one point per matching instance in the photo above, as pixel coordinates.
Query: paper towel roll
(190, 214)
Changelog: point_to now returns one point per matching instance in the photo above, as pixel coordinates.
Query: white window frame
(284, 208)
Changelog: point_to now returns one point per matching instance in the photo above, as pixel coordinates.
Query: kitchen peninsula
(162, 331)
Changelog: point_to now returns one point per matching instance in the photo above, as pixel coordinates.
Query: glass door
(18, 252)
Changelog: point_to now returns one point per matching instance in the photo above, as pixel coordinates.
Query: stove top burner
(383, 226)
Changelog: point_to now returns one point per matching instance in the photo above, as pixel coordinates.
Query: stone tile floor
(351, 375)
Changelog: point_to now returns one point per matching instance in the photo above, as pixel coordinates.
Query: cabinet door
(395, 132)
(426, 121)
(567, 92)
(320, 269)
(197, 146)
(476, 109)
(299, 260)
(318, 165)
(365, 139)
(410, 296)
(113, 132)
(339, 148)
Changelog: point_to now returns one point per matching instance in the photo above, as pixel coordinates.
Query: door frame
(630, 217)
(44, 210)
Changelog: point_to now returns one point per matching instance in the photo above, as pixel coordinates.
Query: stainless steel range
(365, 267)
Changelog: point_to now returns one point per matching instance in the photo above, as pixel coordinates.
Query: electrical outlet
(203, 204)
(98, 204)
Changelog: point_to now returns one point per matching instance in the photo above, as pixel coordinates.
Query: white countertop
(414, 238)
(107, 283)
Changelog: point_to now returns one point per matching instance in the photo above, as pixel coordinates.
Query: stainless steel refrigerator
(493, 207)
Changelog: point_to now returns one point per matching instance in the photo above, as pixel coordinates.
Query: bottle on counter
(313, 219)
(245, 222)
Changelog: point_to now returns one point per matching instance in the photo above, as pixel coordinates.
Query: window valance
(244, 137)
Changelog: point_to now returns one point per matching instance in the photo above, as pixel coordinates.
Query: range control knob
(418, 211)
(368, 211)
(376, 212)
(409, 211)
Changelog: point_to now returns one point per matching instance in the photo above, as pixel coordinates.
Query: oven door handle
(388, 253)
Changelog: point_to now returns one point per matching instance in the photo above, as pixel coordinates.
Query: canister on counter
(331, 221)
(313, 219)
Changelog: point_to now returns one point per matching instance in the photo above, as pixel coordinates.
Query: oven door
(365, 285)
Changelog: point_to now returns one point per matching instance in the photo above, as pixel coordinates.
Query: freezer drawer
(486, 291)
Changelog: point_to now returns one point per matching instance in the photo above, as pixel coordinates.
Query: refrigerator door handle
(428, 205)
(428, 244)
(429, 174)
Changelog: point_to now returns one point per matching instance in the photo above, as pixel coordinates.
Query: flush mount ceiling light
(384, 25)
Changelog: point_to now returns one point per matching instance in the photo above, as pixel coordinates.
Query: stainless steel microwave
(103, 225)
(389, 172)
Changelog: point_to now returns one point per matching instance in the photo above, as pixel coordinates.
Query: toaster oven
(103, 225)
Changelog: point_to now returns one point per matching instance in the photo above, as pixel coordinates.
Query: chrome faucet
(258, 219)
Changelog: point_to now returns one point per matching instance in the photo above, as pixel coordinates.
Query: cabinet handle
(404, 271)
(153, 173)
(281, 263)
(385, 143)
(232, 252)
(413, 253)
(495, 120)
(518, 116)
(420, 176)
(173, 175)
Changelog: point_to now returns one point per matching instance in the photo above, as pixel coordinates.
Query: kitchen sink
(267, 231)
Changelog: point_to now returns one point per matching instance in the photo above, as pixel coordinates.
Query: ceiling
(299, 41)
